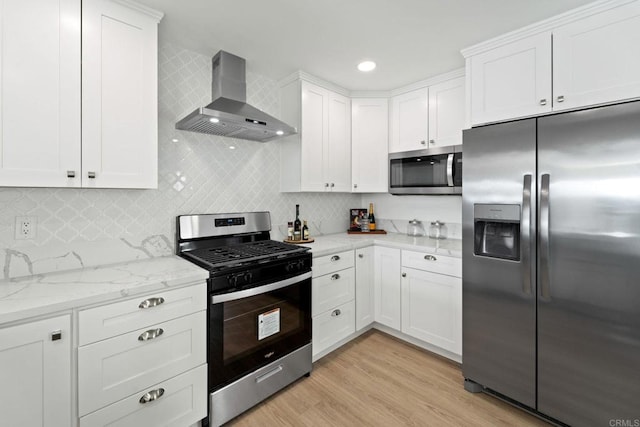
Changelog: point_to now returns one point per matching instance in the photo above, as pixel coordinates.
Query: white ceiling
(410, 40)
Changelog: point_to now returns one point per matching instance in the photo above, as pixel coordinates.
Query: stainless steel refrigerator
(551, 264)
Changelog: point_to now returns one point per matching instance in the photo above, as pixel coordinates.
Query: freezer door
(589, 272)
(498, 202)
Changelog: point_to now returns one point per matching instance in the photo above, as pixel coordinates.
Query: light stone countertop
(331, 243)
(43, 294)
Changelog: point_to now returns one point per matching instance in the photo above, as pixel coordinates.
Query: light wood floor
(377, 380)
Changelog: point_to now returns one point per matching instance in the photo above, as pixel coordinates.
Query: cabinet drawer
(98, 323)
(432, 262)
(331, 263)
(332, 326)
(332, 290)
(183, 403)
(112, 369)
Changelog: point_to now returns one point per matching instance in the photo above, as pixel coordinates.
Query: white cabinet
(410, 118)
(35, 373)
(119, 96)
(429, 117)
(511, 81)
(446, 112)
(318, 158)
(596, 60)
(59, 129)
(39, 93)
(387, 286)
(369, 145)
(571, 62)
(332, 300)
(365, 290)
(144, 358)
(432, 299)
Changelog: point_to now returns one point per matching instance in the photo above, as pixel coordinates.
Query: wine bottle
(372, 218)
(305, 231)
(297, 225)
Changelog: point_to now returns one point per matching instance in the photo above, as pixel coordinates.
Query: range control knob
(232, 279)
(248, 277)
(300, 265)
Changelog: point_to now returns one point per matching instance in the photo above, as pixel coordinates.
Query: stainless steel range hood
(229, 114)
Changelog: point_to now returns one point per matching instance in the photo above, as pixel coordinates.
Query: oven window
(423, 171)
(251, 332)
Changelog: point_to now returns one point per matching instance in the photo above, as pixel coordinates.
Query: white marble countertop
(43, 294)
(327, 244)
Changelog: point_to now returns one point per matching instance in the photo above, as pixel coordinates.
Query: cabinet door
(512, 81)
(432, 308)
(119, 96)
(314, 134)
(409, 124)
(332, 326)
(365, 296)
(370, 145)
(596, 60)
(35, 378)
(387, 286)
(39, 93)
(446, 113)
(338, 154)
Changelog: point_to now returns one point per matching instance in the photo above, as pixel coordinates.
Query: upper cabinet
(94, 130)
(369, 145)
(318, 158)
(428, 117)
(582, 58)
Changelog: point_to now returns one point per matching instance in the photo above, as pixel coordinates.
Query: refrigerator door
(589, 270)
(498, 212)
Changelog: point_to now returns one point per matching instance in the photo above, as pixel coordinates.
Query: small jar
(438, 230)
(364, 225)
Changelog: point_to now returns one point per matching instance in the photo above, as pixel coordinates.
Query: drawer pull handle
(150, 334)
(335, 258)
(335, 276)
(336, 312)
(561, 98)
(152, 395)
(430, 258)
(91, 175)
(71, 174)
(151, 302)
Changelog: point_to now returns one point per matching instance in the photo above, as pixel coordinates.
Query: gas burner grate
(242, 253)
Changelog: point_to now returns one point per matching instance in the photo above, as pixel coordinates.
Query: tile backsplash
(197, 174)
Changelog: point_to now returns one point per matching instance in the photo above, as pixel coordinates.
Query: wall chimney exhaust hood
(229, 114)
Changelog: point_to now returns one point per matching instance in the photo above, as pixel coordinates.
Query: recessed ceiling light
(279, 132)
(232, 147)
(366, 66)
(174, 140)
(214, 120)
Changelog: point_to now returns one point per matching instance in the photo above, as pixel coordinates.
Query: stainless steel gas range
(259, 309)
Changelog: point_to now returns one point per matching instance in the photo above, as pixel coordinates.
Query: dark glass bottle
(297, 225)
(305, 231)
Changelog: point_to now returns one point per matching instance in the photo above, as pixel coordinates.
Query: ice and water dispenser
(496, 230)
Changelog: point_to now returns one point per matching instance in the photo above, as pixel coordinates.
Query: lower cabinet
(387, 286)
(35, 373)
(431, 301)
(332, 300)
(365, 290)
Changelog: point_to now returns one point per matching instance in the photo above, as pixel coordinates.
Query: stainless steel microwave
(432, 171)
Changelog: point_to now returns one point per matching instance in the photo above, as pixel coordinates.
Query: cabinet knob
(355, 185)
(336, 312)
(152, 395)
(360, 255)
(335, 258)
(335, 276)
(560, 98)
(326, 184)
(71, 174)
(150, 334)
(430, 258)
(91, 175)
(151, 302)
(404, 274)
(332, 185)
(423, 142)
(432, 141)
(543, 102)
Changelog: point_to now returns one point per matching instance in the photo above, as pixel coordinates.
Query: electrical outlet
(26, 227)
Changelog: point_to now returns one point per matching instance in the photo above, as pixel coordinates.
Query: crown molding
(460, 72)
(155, 14)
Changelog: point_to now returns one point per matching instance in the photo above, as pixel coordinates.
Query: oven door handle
(232, 296)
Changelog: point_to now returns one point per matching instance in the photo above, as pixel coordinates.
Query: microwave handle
(450, 170)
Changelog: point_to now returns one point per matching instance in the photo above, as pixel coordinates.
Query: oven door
(253, 327)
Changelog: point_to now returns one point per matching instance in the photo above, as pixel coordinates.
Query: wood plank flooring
(377, 380)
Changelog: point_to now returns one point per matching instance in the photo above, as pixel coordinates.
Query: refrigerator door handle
(526, 235)
(450, 170)
(545, 285)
